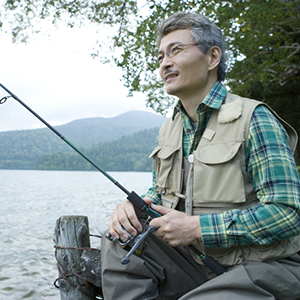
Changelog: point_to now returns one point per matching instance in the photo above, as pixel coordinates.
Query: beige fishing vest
(217, 179)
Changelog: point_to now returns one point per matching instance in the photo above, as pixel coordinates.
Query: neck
(191, 102)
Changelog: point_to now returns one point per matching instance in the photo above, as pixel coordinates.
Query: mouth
(170, 76)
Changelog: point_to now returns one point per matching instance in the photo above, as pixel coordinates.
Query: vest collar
(230, 111)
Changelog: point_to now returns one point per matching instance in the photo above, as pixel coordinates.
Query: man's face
(186, 73)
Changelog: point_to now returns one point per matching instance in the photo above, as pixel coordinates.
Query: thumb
(161, 209)
(148, 200)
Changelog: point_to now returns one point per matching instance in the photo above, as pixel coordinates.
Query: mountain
(87, 132)
(21, 149)
(128, 153)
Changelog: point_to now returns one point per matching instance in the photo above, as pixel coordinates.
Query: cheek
(197, 71)
(160, 71)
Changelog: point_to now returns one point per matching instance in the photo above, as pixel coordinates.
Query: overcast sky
(56, 77)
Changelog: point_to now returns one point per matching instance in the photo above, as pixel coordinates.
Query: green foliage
(129, 153)
(20, 149)
(267, 33)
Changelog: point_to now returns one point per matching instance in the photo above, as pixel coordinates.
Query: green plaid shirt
(273, 173)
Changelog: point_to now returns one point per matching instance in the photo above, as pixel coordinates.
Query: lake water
(30, 204)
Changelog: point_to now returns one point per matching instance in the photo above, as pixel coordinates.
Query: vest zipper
(191, 161)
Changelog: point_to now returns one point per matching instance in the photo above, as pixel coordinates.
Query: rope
(69, 273)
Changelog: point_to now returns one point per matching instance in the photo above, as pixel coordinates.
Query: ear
(215, 54)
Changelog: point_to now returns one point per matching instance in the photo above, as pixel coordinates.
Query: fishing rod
(134, 198)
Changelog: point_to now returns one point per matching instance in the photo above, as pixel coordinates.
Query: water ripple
(31, 202)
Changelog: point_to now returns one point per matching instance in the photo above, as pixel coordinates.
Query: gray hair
(205, 33)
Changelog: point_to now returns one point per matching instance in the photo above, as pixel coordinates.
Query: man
(225, 181)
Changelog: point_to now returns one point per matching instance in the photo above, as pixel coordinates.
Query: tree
(263, 41)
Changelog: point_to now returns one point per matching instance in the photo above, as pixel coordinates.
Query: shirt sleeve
(156, 199)
(274, 175)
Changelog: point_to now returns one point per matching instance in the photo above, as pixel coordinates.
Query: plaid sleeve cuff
(154, 196)
(213, 230)
(223, 230)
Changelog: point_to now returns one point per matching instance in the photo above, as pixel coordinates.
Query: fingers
(124, 219)
(177, 228)
(164, 230)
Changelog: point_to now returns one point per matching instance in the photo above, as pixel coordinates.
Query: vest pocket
(169, 201)
(163, 159)
(218, 176)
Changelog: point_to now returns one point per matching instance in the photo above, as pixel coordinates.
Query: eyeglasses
(174, 50)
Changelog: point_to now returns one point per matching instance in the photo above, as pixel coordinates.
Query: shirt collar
(214, 99)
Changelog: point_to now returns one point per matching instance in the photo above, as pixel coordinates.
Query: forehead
(181, 36)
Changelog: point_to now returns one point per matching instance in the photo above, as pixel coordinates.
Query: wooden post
(71, 233)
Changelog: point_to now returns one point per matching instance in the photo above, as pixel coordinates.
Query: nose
(166, 63)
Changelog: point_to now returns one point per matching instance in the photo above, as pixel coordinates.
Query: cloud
(59, 80)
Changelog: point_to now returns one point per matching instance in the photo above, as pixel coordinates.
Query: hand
(126, 215)
(175, 227)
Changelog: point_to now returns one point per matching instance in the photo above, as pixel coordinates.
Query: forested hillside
(128, 153)
(22, 149)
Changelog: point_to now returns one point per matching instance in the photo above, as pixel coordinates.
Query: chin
(173, 91)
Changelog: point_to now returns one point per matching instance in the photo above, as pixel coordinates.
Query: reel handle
(139, 240)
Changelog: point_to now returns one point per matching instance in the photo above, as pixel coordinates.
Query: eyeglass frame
(169, 53)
